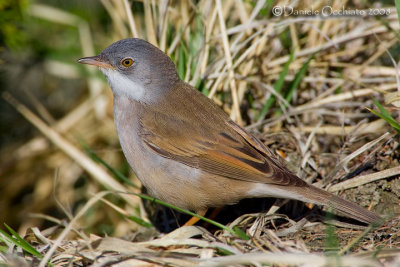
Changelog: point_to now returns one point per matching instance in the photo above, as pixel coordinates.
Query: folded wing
(225, 149)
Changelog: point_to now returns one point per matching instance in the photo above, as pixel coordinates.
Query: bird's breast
(162, 177)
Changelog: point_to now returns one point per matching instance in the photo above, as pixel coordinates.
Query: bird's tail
(350, 209)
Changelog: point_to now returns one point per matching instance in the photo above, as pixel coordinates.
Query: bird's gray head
(135, 69)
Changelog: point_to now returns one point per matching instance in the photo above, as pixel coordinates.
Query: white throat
(123, 86)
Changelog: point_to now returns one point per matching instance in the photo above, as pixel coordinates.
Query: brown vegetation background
(313, 111)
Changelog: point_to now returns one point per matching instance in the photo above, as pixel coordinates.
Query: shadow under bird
(184, 149)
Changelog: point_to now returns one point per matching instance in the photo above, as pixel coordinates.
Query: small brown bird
(185, 150)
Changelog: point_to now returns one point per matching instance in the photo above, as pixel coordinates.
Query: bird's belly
(177, 183)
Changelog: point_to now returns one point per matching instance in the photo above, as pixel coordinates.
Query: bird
(186, 150)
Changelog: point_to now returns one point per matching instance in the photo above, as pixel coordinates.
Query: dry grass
(322, 131)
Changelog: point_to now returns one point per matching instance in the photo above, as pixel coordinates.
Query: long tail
(350, 209)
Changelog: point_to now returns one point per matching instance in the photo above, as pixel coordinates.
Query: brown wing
(224, 149)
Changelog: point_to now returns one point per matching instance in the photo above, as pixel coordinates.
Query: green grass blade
(385, 115)
(182, 59)
(7, 236)
(297, 79)
(296, 82)
(201, 86)
(139, 221)
(19, 241)
(115, 172)
(196, 41)
(240, 233)
(223, 252)
(396, 126)
(397, 3)
(277, 87)
(357, 239)
(383, 111)
(236, 232)
(331, 241)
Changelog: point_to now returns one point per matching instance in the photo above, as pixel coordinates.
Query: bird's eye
(127, 62)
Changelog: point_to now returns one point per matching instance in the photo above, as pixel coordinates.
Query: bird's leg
(194, 219)
(215, 212)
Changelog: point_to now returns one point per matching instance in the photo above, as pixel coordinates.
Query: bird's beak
(96, 61)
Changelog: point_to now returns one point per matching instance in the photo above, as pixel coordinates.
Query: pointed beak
(96, 61)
